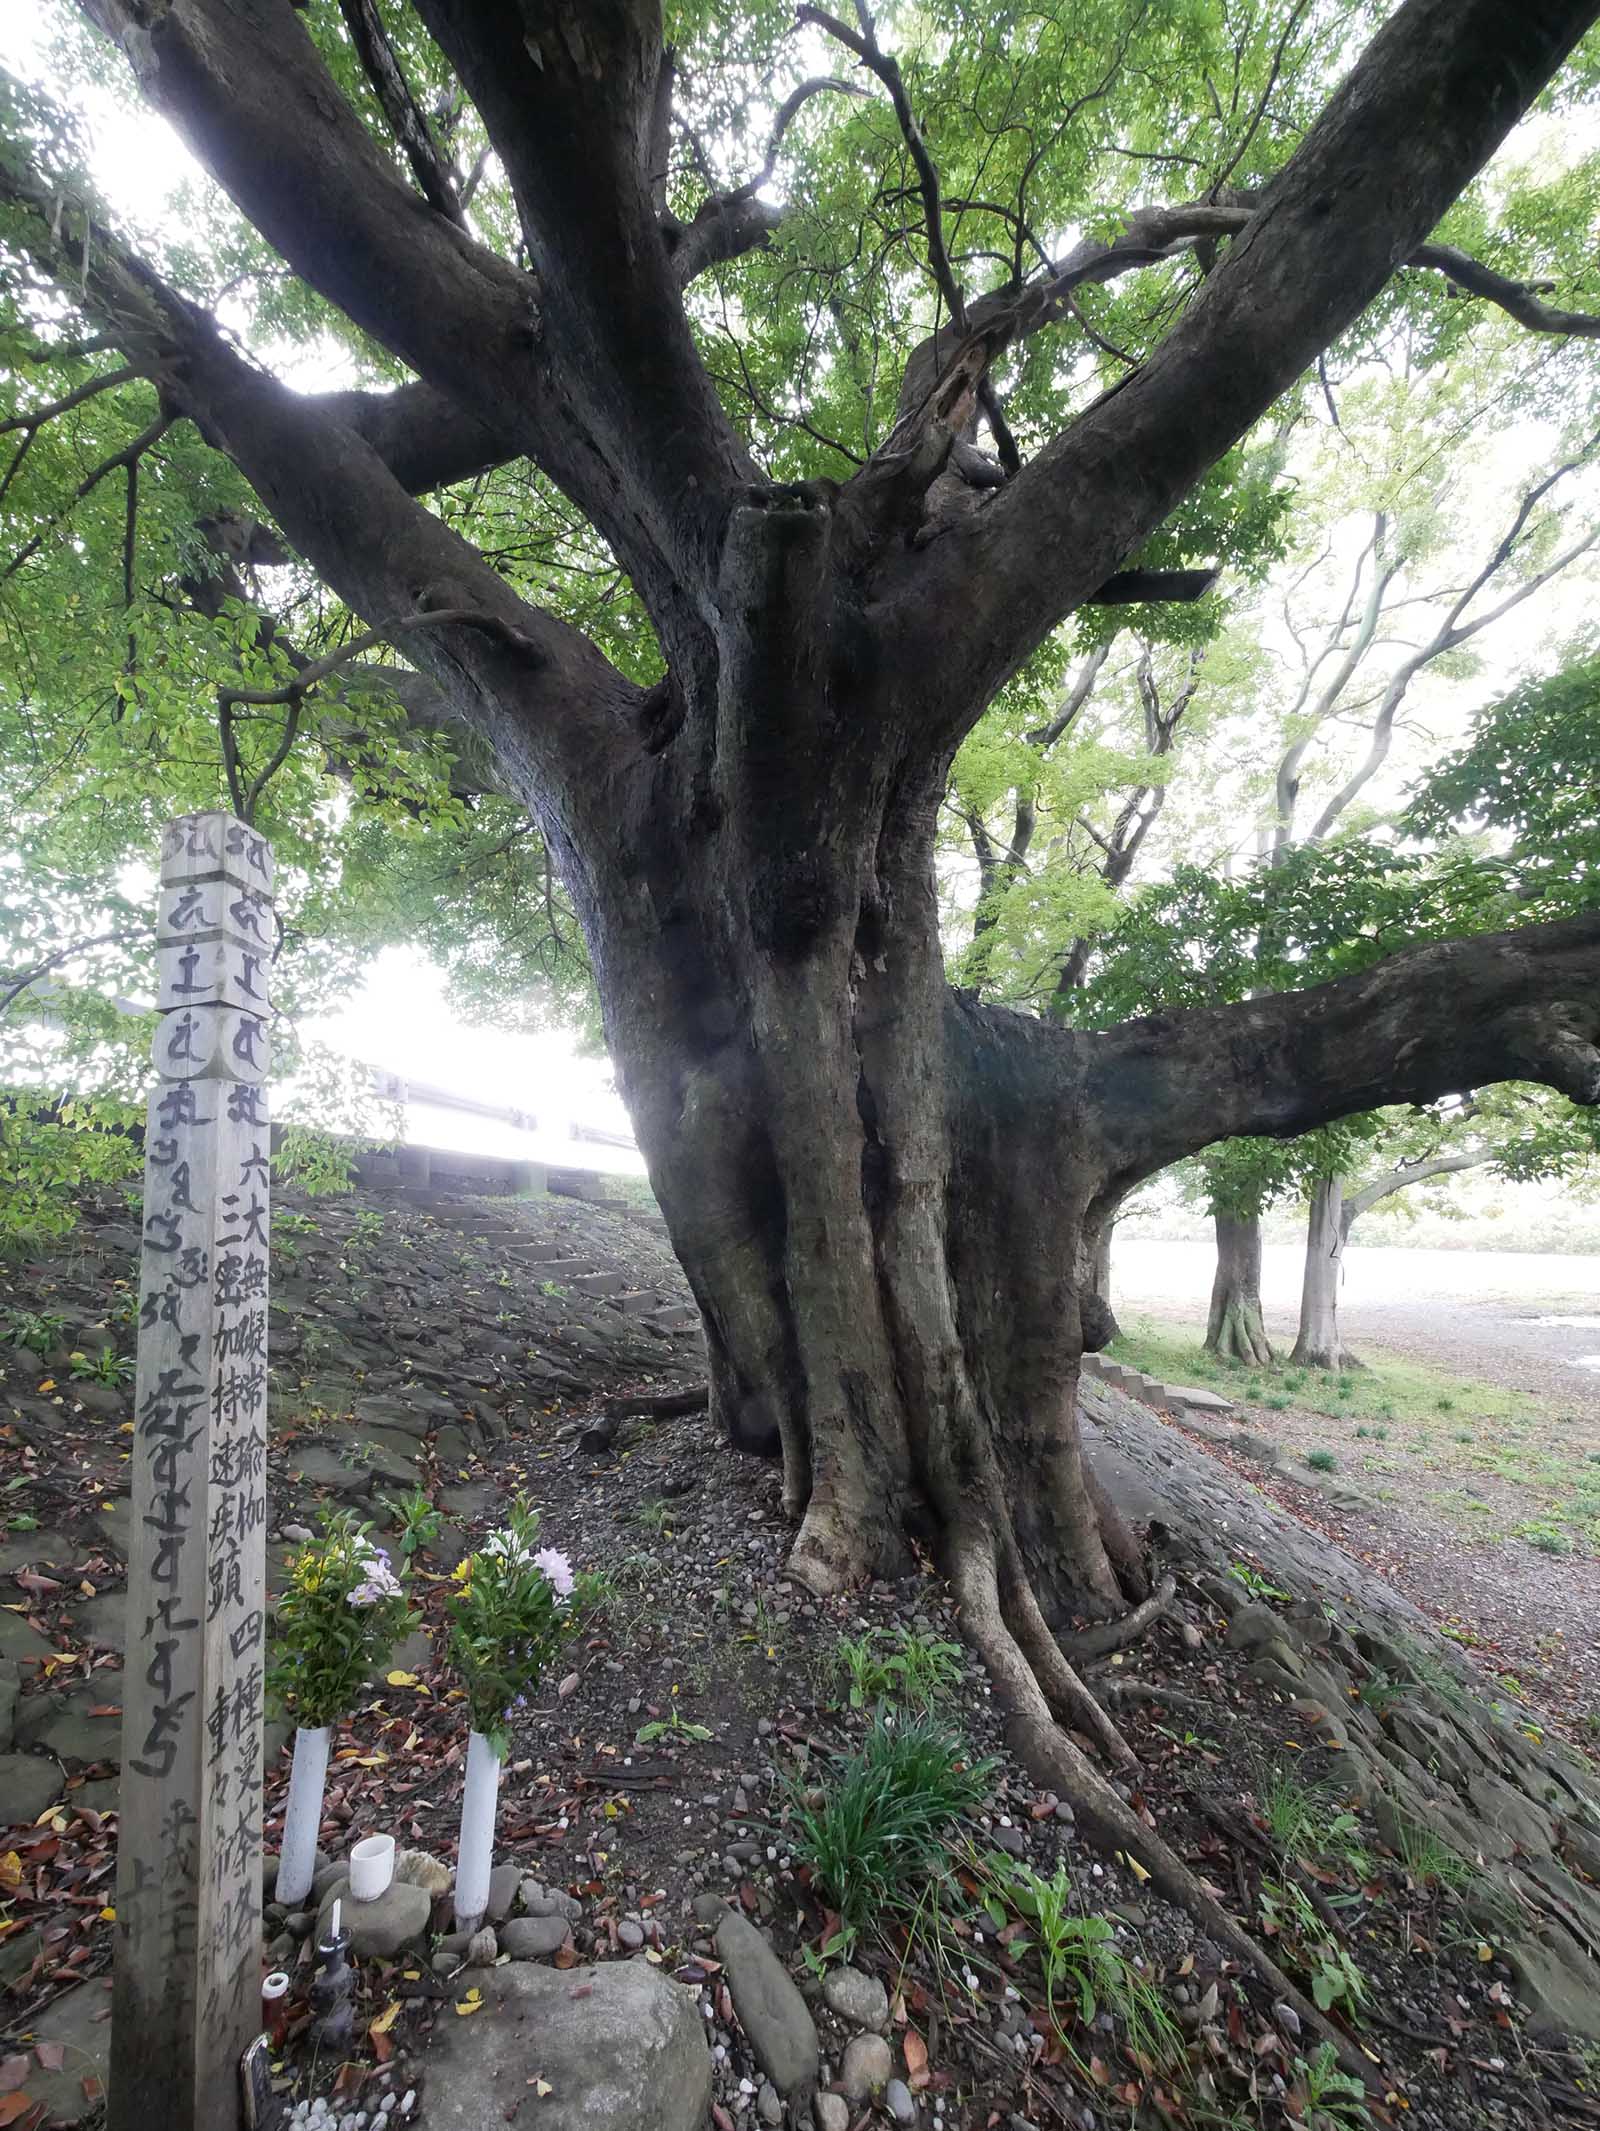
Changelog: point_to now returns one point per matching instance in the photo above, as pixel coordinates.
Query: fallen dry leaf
(51, 2055)
(916, 2059)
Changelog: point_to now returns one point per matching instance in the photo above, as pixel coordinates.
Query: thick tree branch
(1356, 1203)
(243, 84)
(567, 96)
(1424, 108)
(400, 107)
(1427, 1022)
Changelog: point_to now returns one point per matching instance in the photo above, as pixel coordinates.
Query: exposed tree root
(1119, 1634)
(658, 1405)
(1050, 1757)
(1066, 1694)
(1142, 1691)
(601, 1434)
(1238, 1335)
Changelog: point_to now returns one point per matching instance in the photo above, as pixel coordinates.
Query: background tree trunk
(1234, 1327)
(1318, 1344)
(1100, 1325)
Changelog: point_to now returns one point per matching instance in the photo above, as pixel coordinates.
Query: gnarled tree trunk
(1234, 1326)
(866, 1178)
(1318, 1344)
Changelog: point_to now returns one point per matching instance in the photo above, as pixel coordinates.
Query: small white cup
(371, 1867)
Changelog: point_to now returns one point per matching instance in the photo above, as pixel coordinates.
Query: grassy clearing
(1494, 1462)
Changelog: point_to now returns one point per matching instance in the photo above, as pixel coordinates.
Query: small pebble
(897, 2100)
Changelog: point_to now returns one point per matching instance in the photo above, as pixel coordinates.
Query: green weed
(37, 1330)
(880, 1826)
(1322, 1461)
(1082, 1965)
(917, 1670)
(104, 1367)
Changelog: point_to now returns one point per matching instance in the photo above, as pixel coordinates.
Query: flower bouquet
(341, 1613)
(514, 1605)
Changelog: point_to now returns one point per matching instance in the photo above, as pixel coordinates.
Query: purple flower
(556, 1570)
(378, 1582)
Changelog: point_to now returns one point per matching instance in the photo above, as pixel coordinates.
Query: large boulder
(618, 2047)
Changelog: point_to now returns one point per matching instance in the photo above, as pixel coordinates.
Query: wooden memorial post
(188, 1937)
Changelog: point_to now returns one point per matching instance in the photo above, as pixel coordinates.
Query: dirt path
(1454, 1513)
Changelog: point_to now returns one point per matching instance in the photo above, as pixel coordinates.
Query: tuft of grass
(1326, 1963)
(916, 1670)
(1545, 1536)
(1428, 1859)
(881, 1824)
(1306, 1822)
(1322, 1461)
(1278, 1402)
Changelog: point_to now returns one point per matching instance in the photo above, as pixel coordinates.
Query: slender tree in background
(826, 482)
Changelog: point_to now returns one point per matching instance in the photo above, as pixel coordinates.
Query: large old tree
(880, 1190)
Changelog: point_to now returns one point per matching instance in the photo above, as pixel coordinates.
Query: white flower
(378, 1582)
(556, 1570)
(506, 1547)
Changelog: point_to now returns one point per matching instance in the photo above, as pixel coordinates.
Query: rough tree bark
(1234, 1325)
(1318, 1344)
(881, 1192)
(1334, 1211)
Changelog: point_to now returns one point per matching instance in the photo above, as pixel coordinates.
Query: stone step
(636, 1302)
(1189, 1398)
(597, 1284)
(676, 1317)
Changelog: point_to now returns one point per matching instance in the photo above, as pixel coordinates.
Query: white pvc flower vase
(371, 1868)
(302, 1817)
(475, 1855)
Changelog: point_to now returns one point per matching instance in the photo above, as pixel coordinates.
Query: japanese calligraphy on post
(189, 1856)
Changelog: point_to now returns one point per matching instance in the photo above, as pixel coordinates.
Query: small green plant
(674, 1725)
(1306, 1822)
(342, 1611)
(1322, 1461)
(1328, 1968)
(877, 1829)
(917, 1670)
(553, 1288)
(420, 1522)
(37, 1330)
(292, 1224)
(654, 1516)
(1254, 1582)
(105, 1366)
(1082, 1964)
(1323, 2098)
(1278, 1402)
(1545, 1536)
(367, 1227)
(1445, 1405)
